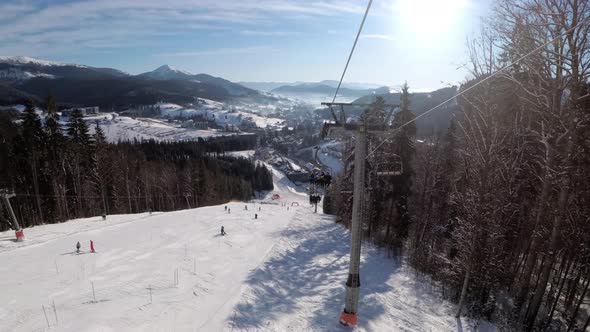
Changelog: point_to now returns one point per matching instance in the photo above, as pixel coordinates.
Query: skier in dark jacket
(222, 231)
(78, 247)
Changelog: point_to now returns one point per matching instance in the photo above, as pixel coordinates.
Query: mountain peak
(169, 69)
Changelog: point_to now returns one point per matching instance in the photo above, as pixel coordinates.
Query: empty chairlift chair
(391, 167)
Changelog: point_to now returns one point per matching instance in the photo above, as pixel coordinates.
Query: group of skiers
(228, 210)
(78, 246)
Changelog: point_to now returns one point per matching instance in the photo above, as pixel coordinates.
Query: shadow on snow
(311, 274)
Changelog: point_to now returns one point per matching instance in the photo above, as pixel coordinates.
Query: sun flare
(429, 17)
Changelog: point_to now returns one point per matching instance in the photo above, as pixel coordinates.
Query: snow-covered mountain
(84, 85)
(17, 69)
(166, 72)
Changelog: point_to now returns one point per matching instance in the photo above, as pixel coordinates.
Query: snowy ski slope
(284, 271)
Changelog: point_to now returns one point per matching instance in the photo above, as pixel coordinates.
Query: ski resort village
(295, 165)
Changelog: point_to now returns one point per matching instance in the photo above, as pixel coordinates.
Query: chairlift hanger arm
(333, 114)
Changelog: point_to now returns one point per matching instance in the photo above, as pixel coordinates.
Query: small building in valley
(84, 110)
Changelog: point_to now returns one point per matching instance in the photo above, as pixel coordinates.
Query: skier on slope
(226, 208)
(78, 247)
(222, 231)
(91, 246)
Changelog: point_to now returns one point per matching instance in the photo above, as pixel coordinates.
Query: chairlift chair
(392, 167)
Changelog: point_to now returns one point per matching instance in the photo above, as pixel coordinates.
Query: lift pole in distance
(20, 235)
(350, 314)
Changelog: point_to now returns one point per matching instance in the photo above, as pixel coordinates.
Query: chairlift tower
(340, 128)
(6, 195)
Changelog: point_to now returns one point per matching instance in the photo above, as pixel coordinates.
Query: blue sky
(419, 41)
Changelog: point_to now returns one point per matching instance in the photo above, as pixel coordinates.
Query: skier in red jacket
(91, 246)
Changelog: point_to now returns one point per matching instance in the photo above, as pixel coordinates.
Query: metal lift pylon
(6, 195)
(353, 283)
(349, 315)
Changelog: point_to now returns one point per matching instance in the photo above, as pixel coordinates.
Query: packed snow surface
(284, 271)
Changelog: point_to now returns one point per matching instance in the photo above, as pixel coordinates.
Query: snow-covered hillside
(329, 156)
(25, 60)
(18, 74)
(118, 127)
(126, 128)
(284, 271)
(219, 112)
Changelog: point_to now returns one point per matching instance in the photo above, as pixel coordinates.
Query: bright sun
(429, 17)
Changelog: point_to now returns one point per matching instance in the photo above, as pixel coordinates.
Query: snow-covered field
(284, 271)
(126, 128)
(218, 112)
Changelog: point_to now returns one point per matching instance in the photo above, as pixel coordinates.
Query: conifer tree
(32, 131)
(101, 164)
(403, 144)
(78, 129)
(55, 147)
(33, 137)
(99, 136)
(81, 155)
(52, 127)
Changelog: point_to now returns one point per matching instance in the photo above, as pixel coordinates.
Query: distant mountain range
(269, 86)
(24, 77)
(79, 85)
(316, 92)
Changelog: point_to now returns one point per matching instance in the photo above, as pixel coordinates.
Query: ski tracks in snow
(300, 287)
